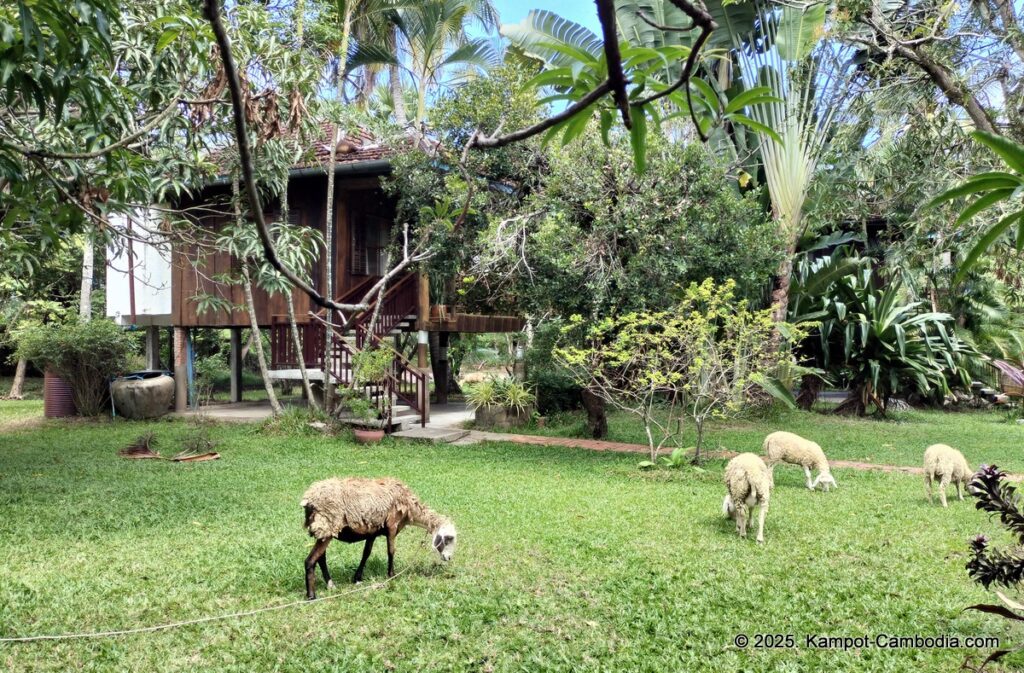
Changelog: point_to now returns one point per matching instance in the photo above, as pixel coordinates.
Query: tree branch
(616, 76)
(530, 131)
(212, 11)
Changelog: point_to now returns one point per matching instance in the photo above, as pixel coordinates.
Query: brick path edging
(623, 447)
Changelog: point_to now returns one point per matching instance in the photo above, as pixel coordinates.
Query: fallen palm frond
(193, 457)
(141, 448)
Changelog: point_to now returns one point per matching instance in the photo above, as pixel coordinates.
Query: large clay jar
(138, 398)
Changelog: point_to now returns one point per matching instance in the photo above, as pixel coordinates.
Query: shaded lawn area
(982, 436)
(568, 560)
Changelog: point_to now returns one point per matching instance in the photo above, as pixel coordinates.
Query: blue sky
(581, 11)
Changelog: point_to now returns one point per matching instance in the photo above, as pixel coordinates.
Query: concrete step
(432, 435)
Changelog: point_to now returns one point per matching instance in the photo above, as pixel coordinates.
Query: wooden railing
(399, 302)
(404, 381)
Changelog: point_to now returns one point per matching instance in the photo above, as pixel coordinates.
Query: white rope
(201, 620)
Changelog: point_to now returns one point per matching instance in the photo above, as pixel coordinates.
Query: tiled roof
(355, 146)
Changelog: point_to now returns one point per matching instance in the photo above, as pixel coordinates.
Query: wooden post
(180, 369)
(441, 382)
(235, 364)
(152, 347)
(422, 316)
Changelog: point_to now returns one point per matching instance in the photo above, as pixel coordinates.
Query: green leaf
(985, 243)
(983, 202)
(638, 138)
(167, 37)
(754, 96)
(776, 389)
(1009, 151)
(757, 126)
(983, 183)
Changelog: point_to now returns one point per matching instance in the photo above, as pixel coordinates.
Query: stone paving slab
(429, 434)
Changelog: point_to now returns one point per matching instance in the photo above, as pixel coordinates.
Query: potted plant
(362, 409)
(501, 402)
(371, 367)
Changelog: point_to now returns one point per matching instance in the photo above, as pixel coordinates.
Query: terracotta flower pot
(368, 436)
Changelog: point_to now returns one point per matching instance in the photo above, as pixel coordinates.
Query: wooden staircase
(406, 386)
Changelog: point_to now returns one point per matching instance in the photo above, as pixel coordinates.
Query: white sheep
(356, 510)
(749, 483)
(945, 464)
(786, 447)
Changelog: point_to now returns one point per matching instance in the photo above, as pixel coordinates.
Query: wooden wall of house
(196, 267)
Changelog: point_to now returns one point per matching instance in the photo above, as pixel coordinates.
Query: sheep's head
(728, 508)
(826, 480)
(443, 540)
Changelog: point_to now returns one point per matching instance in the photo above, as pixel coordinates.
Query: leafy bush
(85, 354)
(209, 371)
(704, 359)
(871, 336)
(500, 392)
(555, 388)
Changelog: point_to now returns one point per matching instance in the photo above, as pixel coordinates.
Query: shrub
(704, 359)
(500, 392)
(209, 371)
(555, 389)
(85, 354)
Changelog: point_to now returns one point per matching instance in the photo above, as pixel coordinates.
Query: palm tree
(428, 41)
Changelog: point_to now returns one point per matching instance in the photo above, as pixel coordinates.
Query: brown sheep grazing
(361, 510)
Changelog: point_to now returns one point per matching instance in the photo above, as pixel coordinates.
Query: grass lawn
(984, 437)
(568, 560)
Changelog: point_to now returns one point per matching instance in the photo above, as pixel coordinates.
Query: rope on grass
(200, 620)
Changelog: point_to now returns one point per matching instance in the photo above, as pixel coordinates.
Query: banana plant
(991, 189)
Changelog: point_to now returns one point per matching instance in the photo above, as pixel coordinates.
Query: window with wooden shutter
(369, 244)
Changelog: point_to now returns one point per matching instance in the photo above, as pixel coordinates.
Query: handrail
(403, 381)
(396, 303)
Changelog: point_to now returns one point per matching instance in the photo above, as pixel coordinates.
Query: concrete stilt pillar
(422, 348)
(180, 369)
(519, 366)
(153, 348)
(236, 364)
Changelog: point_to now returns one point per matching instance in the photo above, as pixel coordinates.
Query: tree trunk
(85, 296)
(397, 96)
(597, 418)
(780, 289)
(19, 380)
(258, 343)
(297, 340)
(247, 347)
(329, 276)
(810, 388)
(439, 365)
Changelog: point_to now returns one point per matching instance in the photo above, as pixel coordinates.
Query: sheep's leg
(959, 491)
(943, 484)
(760, 521)
(367, 548)
(322, 562)
(928, 488)
(807, 474)
(319, 549)
(392, 534)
